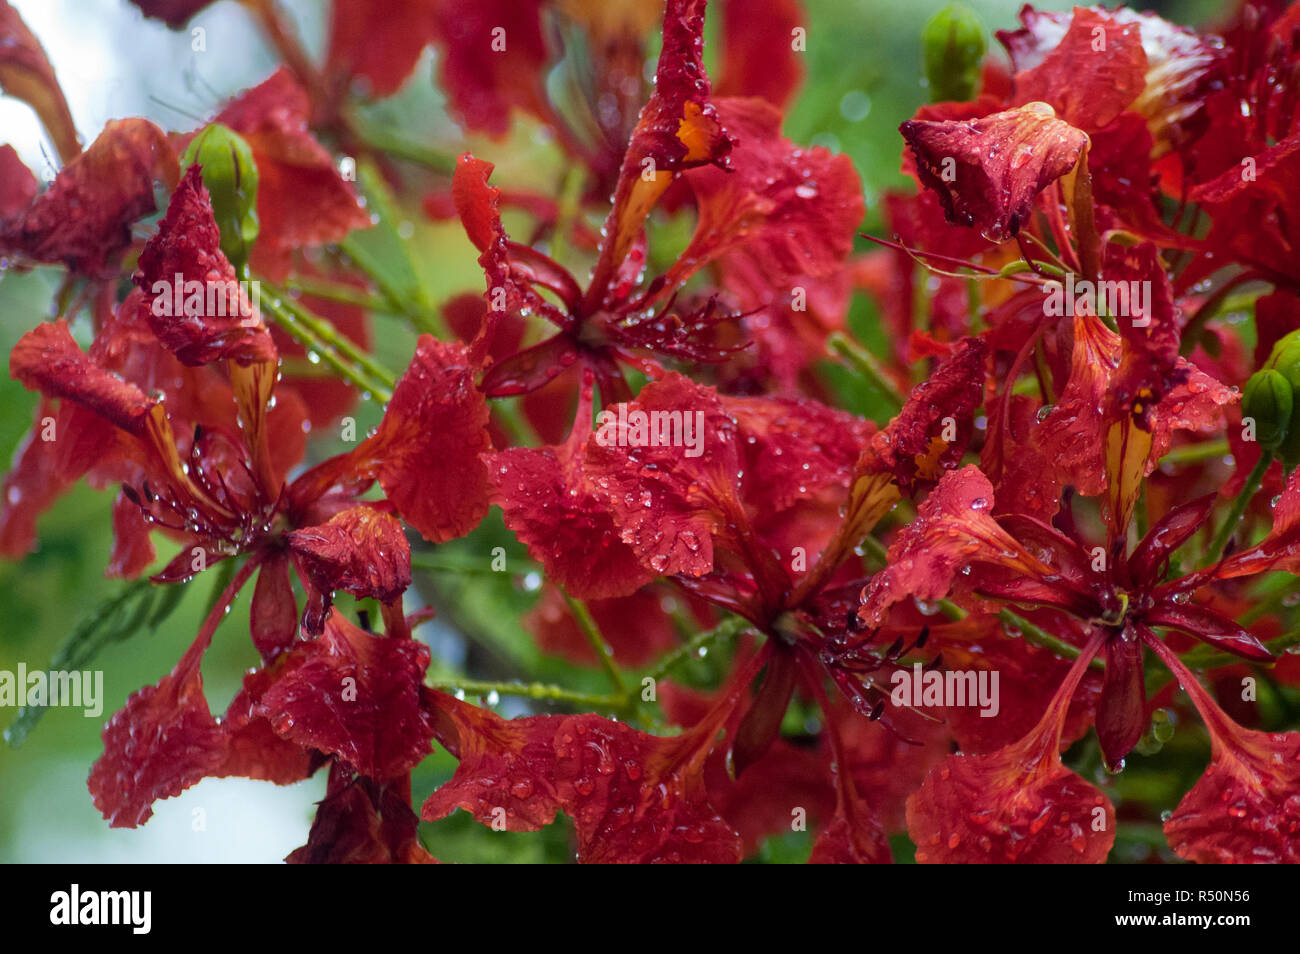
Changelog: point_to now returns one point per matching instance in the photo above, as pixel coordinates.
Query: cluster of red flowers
(1063, 489)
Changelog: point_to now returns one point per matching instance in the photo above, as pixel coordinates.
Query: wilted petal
(46, 359)
(84, 219)
(987, 172)
(183, 265)
(359, 550)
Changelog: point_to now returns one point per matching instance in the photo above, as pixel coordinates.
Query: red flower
(788, 211)
(987, 172)
(83, 220)
(1124, 596)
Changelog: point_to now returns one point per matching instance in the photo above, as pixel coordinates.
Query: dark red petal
(792, 210)
(914, 448)
(43, 470)
(525, 371)
(758, 55)
(379, 40)
(175, 13)
(1181, 66)
(507, 767)
(555, 511)
(1151, 557)
(426, 450)
(1245, 809)
(46, 359)
(361, 550)
(1280, 548)
(638, 798)
(161, 742)
(987, 172)
(362, 821)
(1121, 711)
(216, 318)
(508, 268)
(491, 56)
(850, 840)
(17, 184)
(356, 696)
(273, 615)
(1027, 679)
(952, 529)
(1209, 627)
(1018, 804)
(1092, 75)
(762, 722)
(84, 218)
(1254, 215)
(252, 748)
(132, 549)
(677, 130)
(26, 74)
(669, 501)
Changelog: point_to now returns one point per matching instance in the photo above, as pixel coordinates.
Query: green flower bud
(230, 175)
(1268, 399)
(1285, 357)
(952, 47)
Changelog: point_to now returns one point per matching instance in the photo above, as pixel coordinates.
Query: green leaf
(141, 606)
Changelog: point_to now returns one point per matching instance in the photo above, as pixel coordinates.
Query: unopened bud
(1269, 400)
(952, 48)
(230, 175)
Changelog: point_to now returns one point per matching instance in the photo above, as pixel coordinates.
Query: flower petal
(183, 265)
(987, 172)
(356, 696)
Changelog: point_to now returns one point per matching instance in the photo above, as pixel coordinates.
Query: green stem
(288, 320)
(1239, 505)
(453, 566)
(867, 365)
(598, 643)
(1194, 453)
(529, 690)
(1040, 637)
(340, 292)
(725, 630)
(325, 330)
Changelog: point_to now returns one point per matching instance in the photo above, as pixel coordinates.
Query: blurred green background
(863, 79)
